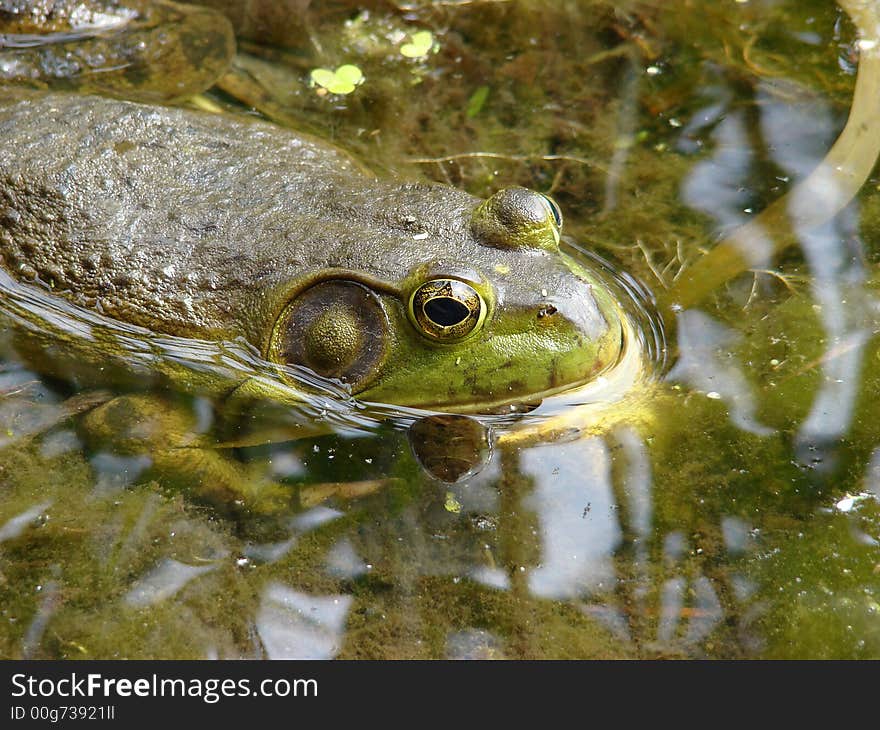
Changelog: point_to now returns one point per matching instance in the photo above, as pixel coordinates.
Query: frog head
(490, 312)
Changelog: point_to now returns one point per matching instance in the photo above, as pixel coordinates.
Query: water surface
(727, 506)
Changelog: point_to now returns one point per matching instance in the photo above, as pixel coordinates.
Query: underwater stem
(816, 199)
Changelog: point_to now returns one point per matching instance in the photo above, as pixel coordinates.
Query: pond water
(719, 496)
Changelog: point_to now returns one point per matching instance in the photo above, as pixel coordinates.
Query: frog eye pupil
(445, 311)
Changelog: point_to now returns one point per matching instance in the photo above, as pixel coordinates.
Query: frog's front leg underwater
(167, 431)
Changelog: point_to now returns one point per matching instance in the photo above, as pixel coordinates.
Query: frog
(199, 226)
(208, 228)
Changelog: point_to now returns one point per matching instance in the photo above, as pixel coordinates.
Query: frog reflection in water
(206, 227)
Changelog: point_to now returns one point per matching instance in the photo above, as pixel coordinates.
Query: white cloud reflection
(296, 625)
(577, 516)
(164, 581)
(705, 363)
(15, 526)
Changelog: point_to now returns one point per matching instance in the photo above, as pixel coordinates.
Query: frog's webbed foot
(181, 453)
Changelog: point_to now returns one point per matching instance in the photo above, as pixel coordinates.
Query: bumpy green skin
(202, 226)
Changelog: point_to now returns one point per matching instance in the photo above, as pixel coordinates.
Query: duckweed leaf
(323, 77)
(343, 80)
(420, 45)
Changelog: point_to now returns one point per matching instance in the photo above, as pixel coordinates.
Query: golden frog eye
(447, 310)
(555, 210)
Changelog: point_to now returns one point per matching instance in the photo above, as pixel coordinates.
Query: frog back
(191, 223)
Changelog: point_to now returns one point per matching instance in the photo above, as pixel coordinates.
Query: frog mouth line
(589, 387)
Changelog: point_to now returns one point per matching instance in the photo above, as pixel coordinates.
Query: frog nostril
(547, 311)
